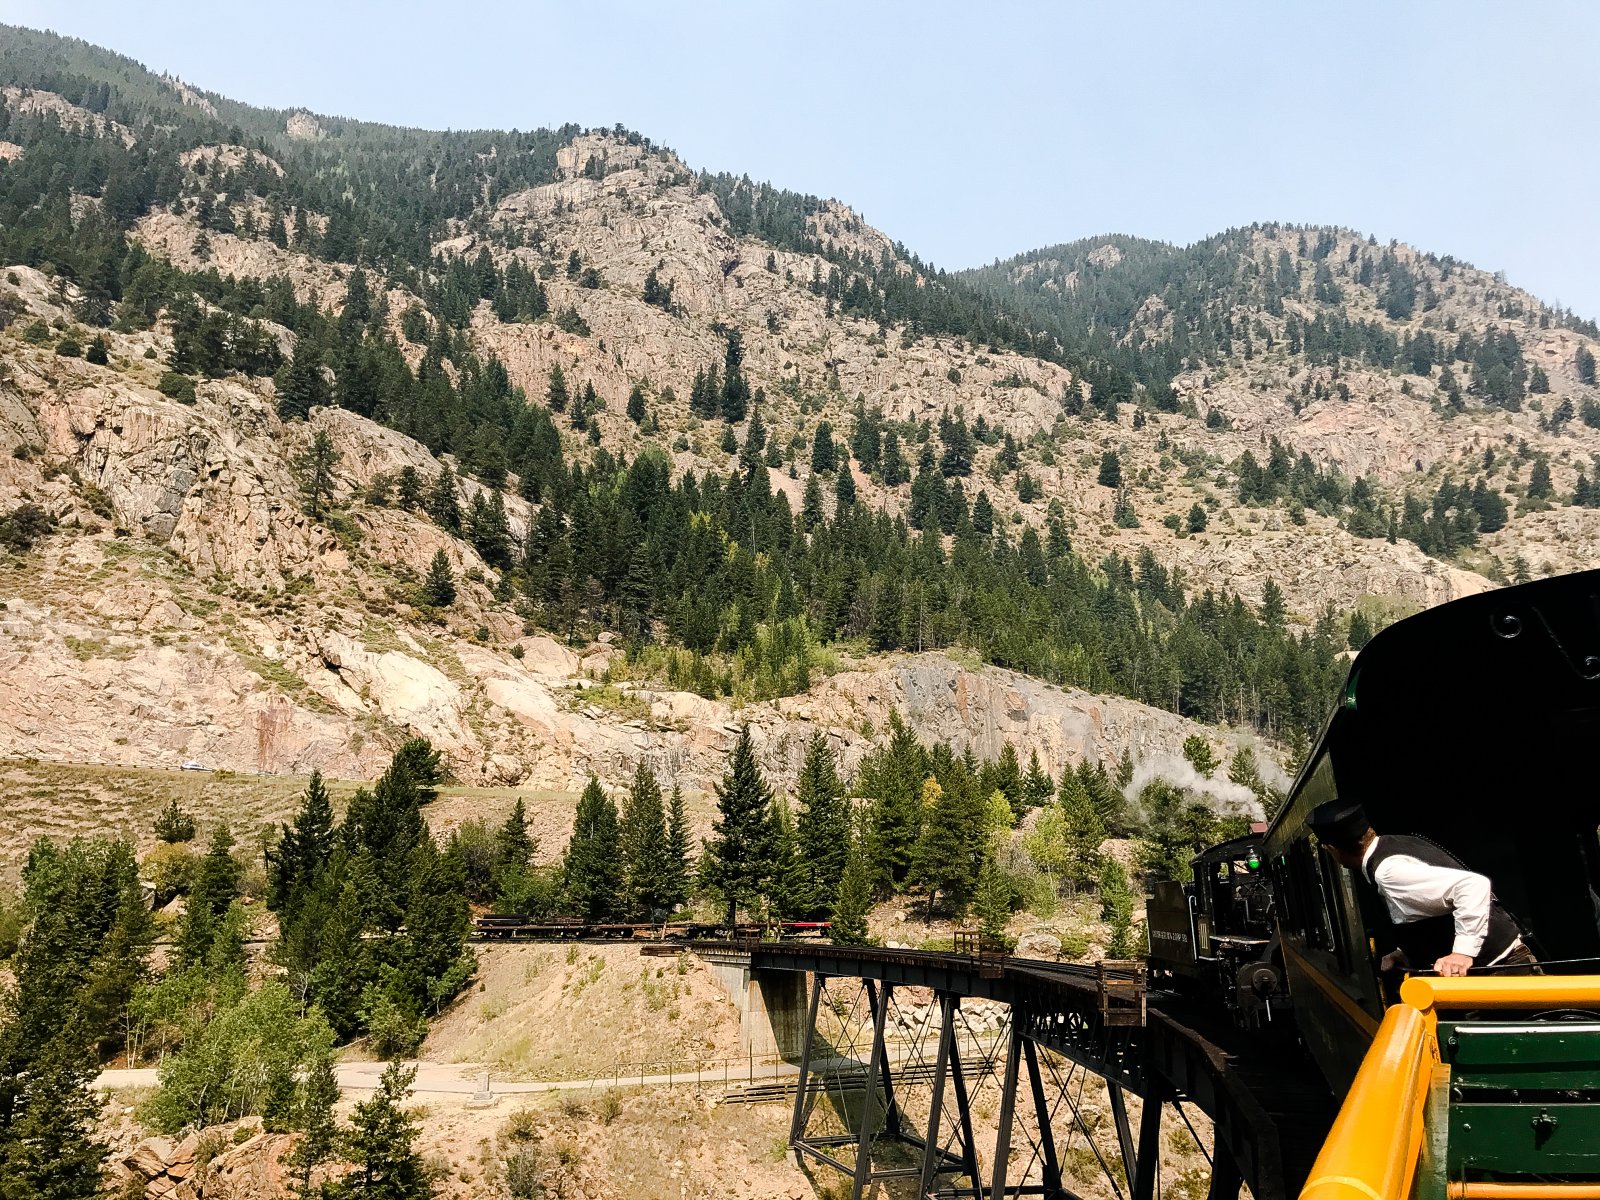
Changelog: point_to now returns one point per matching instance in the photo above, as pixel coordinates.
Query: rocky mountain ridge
(189, 607)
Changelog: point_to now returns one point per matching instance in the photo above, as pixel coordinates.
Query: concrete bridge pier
(772, 1004)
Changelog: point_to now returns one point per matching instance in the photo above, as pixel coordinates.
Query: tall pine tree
(593, 866)
(739, 858)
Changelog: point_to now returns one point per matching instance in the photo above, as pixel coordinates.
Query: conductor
(1444, 915)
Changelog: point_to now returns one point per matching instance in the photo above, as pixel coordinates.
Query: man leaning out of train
(1443, 914)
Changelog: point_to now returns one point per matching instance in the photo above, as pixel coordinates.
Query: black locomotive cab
(1215, 935)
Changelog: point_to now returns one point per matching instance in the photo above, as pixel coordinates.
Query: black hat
(1339, 823)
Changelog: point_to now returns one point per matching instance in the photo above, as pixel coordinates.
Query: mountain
(690, 450)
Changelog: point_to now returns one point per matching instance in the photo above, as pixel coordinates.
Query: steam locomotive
(1475, 725)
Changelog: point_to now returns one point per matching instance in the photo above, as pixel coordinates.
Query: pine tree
(739, 857)
(300, 383)
(824, 454)
(439, 587)
(443, 505)
(823, 826)
(1110, 470)
(993, 900)
(174, 825)
(381, 1142)
(313, 1119)
(645, 865)
(314, 469)
(215, 887)
(48, 1149)
(1199, 753)
(1037, 787)
(844, 488)
(811, 511)
(1584, 363)
(735, 391)
(848, 923)
(303, 849)
(791, 882)
(514, 845)
(556, 391)
(1082, 831)
(593, 866)
(946, 860)
(1539, 484)
(408, 491)
(636, 409)
(676, 886)
(1116, 909)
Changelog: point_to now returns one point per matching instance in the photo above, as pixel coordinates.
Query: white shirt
(1412, 889)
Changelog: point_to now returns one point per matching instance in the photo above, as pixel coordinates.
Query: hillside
(696, 452)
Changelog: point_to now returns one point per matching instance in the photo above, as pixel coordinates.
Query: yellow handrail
(1371, 1151)
(1500, 991)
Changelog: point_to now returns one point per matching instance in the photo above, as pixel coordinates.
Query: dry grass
(67, 800)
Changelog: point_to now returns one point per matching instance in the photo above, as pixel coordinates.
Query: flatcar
(1475, 725)
(1216, 936)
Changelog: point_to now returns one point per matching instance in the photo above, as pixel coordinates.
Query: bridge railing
(1489, 1107)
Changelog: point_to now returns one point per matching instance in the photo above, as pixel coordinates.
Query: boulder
(150, 1157)
(1038, 945)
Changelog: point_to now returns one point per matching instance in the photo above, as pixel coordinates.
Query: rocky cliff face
(189, 609)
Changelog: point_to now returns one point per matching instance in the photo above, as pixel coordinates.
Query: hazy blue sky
(973, 131)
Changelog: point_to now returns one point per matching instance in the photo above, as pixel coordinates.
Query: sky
(975, 131)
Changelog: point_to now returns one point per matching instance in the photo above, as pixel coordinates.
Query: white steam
(1224, 795)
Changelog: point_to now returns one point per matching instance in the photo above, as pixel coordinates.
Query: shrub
(610, 1106)
(177, 387)
(522, 1172)
(169, 869)
(23, 526)
(174, 825)
(98, 352)
(393, 1031)
(69, 347)
(36, 332)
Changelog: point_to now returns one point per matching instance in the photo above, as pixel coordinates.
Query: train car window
(1308, 887)
(1336, 887)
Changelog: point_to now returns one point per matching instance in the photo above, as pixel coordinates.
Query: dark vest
(1430, 939)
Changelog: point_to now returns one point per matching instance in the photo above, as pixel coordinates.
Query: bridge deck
(1269, 1107)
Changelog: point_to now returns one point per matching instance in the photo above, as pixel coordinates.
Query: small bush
(177, 387)
(23, 526)
(610, 1106)
(36, 332)
(521, 1126)
(69, 348)
(98, 352)
(174, 825)
(170, 870)
(522, 1173)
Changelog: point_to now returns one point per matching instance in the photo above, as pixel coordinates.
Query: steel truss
(875, 1108)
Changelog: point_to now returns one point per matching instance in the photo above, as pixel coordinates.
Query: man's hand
(1453, 965)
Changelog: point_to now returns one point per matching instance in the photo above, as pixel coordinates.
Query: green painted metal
(1432, 1178)
(1524, 1099)
(1526, 1139)
(1501, 1055)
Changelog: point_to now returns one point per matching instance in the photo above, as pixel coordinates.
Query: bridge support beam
(797, 1123)
(1008, 1109)
(875, 1063)
(1143, 1182)
(1041, 1110)
(1119, 1118)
